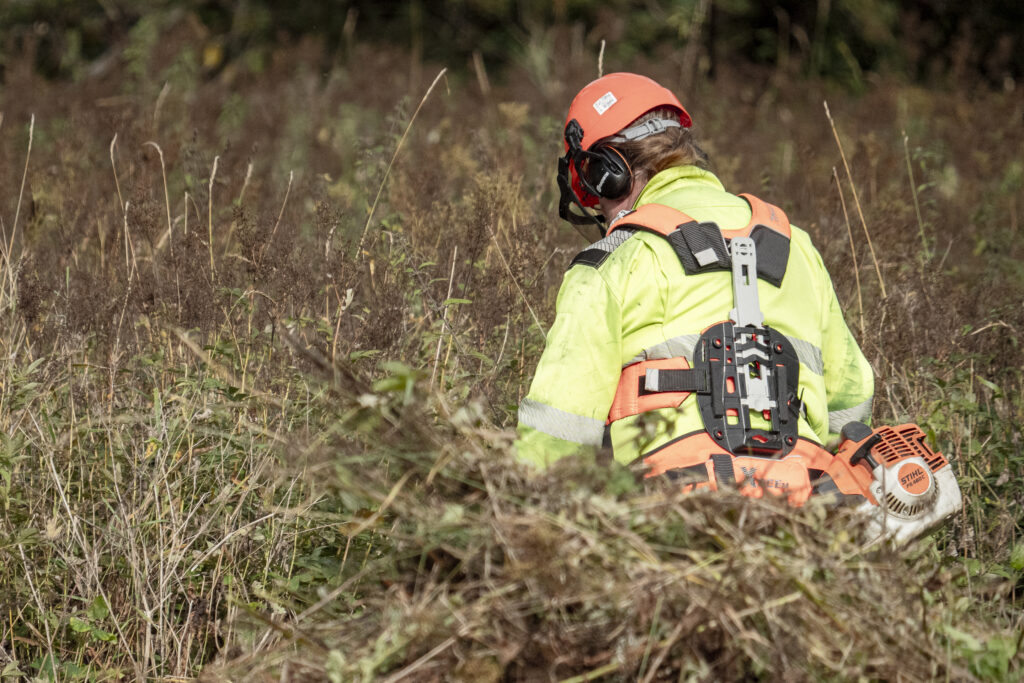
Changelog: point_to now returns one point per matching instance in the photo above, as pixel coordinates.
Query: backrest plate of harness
(740, 366)
(751, 368)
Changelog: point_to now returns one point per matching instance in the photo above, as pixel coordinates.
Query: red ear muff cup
(606, 173)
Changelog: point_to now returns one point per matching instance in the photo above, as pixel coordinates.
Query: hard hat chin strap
(566, 196)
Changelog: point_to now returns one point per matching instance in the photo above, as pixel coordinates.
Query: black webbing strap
(676, 380)
(724, 472)
(694, 473)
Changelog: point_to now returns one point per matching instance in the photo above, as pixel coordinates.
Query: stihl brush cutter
(908, 488)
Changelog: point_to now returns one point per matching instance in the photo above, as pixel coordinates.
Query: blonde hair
(671, 147)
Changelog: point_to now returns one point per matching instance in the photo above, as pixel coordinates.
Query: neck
(613, 207)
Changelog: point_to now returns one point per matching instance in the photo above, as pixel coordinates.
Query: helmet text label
(604, 103)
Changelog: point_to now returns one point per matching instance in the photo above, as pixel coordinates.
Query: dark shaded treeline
(934, 41)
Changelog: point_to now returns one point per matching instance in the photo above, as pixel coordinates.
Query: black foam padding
(772, 254)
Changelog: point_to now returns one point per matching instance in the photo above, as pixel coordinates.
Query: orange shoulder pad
(655, 217)
(768, 215)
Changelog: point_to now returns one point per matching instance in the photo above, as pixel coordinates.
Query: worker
(644, 315)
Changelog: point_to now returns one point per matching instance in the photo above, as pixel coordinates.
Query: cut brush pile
(467, 570)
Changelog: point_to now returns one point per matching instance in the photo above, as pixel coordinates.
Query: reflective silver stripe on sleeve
(837, 419)
(809, 355)
(560, 424)
(671, 348)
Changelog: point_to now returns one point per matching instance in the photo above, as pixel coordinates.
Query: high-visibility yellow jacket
(638, 303)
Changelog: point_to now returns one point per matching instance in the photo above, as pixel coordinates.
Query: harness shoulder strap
(655, 218)
(702, 246)
(769, 228)
(699, 246)
(768, 215)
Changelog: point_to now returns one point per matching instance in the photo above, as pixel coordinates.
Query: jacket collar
(675, 179)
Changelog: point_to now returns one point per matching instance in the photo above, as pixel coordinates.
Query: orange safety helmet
(601, 109)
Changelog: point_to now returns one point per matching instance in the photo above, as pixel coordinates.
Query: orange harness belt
(700, 463)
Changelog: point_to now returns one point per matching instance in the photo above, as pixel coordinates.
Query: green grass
(269, 456)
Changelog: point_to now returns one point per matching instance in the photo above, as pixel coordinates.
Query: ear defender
(606, 173)
(586, 176)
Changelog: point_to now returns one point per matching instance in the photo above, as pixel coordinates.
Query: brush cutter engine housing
(908, 488)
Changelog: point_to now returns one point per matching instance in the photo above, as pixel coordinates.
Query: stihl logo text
(913, 479)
